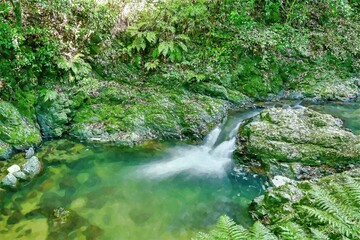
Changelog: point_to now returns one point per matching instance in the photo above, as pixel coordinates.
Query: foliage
(328, 210)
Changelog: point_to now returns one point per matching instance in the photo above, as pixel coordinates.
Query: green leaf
(151, 37)
(132, 30)
(183, 46)
(163, 48)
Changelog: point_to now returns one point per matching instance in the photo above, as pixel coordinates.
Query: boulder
(169, 115)
(30, 152)
(53, 115)
(297, 135)
(32, 166)
(10, 180)
(5, 150)
(16, 130)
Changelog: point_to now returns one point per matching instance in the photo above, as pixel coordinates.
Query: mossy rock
(5, 150)
(297, 135)
(54, 115)
(17, 130)
(146, 115)
(329, 87)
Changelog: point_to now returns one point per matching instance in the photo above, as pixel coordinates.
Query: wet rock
(10, 180)
(29, 153)
(280, 180)
(32, 166)
(20, 175)
(297, 135)
(13, 168)
(5, 150)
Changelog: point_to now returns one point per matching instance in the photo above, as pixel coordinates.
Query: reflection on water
(107, 192)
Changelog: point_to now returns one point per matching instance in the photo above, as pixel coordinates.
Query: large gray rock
(32, 166)
(297, 135)
(10, 180)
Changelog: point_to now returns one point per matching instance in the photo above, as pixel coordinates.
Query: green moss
(297, 135)
(15, 129)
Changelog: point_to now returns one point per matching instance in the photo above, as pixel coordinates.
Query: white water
(211, 158)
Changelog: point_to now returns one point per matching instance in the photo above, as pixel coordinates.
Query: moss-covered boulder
(15, 130)
(328, 87)
(53, 114)
(218, 91)
(130, 115)
(297, 135)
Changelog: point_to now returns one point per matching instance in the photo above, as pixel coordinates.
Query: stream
(160, 190)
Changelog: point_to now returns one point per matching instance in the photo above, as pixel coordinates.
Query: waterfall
(211, 158)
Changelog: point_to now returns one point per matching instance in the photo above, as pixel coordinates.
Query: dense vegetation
(255, 47)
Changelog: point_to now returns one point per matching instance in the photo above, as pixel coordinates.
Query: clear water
(349, 112)
(160, 191)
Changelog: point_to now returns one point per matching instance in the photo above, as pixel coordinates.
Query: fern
(292, 231)
(225, 229)
(259, 231)
(316, 234)
(353, 188)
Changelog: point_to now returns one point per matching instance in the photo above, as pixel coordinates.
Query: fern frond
(292, 231)
(227, 229)
(328, 203)
(260, 232)
(346, 202)
(327, 218)
(353, 187)
(316, 234)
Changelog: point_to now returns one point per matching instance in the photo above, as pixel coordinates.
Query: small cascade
(211, 158)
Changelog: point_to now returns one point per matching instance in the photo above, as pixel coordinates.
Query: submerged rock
(297, 135)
